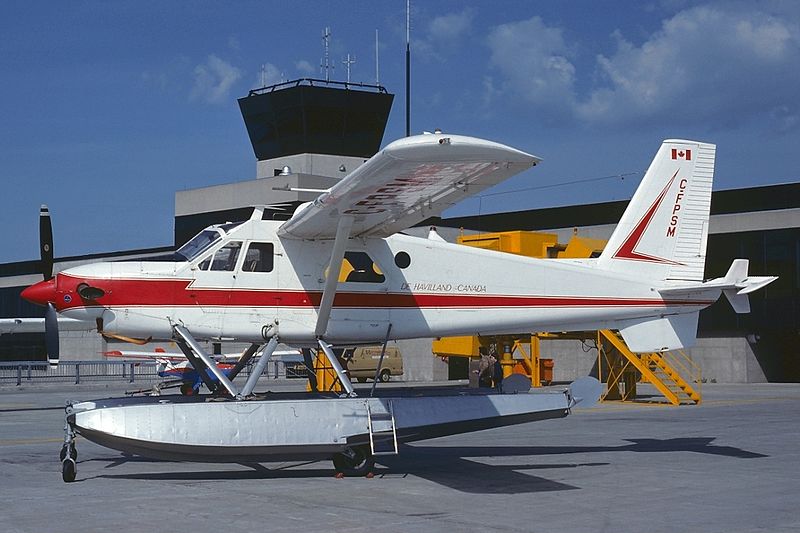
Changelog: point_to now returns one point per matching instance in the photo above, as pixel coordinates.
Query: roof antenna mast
(326, 37)
(377, 69)
(347, 62)
(408, 68)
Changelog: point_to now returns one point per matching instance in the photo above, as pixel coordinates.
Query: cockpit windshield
(204, 240)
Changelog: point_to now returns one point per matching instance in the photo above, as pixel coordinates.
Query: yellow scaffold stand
(673, 375)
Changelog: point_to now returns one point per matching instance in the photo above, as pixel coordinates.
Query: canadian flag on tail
(681, 154)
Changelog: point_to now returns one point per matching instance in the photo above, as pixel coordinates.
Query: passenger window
(358, 267)
(259, 257)
(224, 259)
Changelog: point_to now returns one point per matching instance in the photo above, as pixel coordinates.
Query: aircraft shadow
(461, 468)
(680, 444)
(440, 465)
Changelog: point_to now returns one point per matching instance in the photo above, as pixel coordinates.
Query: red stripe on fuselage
(181, 293)
(627, 249)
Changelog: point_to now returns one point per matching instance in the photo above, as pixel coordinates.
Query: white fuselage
(445, 290)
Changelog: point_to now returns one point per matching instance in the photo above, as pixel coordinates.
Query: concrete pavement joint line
(754, 400)
(610, 408)
(18, 442)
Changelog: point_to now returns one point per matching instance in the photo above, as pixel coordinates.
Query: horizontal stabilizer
(735, 285)
(671, 332)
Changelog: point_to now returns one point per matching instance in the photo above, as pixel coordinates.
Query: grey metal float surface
(294, 425)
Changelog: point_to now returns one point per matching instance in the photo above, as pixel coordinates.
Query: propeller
(46, 265)
(45, 243)
(51, 334)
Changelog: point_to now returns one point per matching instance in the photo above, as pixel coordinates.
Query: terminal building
(308, 134)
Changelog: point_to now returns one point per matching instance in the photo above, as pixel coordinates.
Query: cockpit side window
(205, 240)
(259, 257)
(224, 259)
(199, 244)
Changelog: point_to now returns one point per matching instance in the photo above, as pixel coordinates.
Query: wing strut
(343, 379)
(334, 267)
(380, 361)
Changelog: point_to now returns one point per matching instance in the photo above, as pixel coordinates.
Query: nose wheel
(68, 470)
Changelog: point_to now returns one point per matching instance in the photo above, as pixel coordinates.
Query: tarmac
(731, 464)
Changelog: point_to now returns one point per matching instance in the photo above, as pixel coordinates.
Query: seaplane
(341, 272)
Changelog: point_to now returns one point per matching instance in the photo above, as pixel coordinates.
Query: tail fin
(662, 234)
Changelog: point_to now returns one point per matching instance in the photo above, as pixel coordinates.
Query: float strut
(243, 360)
(203, 356)
(258, 369)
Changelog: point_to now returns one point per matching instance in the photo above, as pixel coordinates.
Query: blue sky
(107, 108)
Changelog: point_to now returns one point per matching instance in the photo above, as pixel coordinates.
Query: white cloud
(304, 67)
(703, 63)
(443, 34)
(213, 80)
(450, 27)
(533, 61)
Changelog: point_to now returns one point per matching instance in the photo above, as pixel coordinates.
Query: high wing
(407, 182)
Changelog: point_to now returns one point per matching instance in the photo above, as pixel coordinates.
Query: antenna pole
(347, 62)
(408, 68)
(377, 68)
(326, 36)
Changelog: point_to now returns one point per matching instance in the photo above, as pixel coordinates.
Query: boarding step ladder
(668, 373)
(670, 369)
(382, 430)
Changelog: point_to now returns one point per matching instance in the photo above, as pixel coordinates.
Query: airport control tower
(306, 134)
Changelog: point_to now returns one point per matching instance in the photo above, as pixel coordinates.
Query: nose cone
(41, 293)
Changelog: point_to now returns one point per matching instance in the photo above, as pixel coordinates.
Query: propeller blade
(46, 242)
(51, 334)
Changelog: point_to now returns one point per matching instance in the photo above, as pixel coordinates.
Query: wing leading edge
(407, 182)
